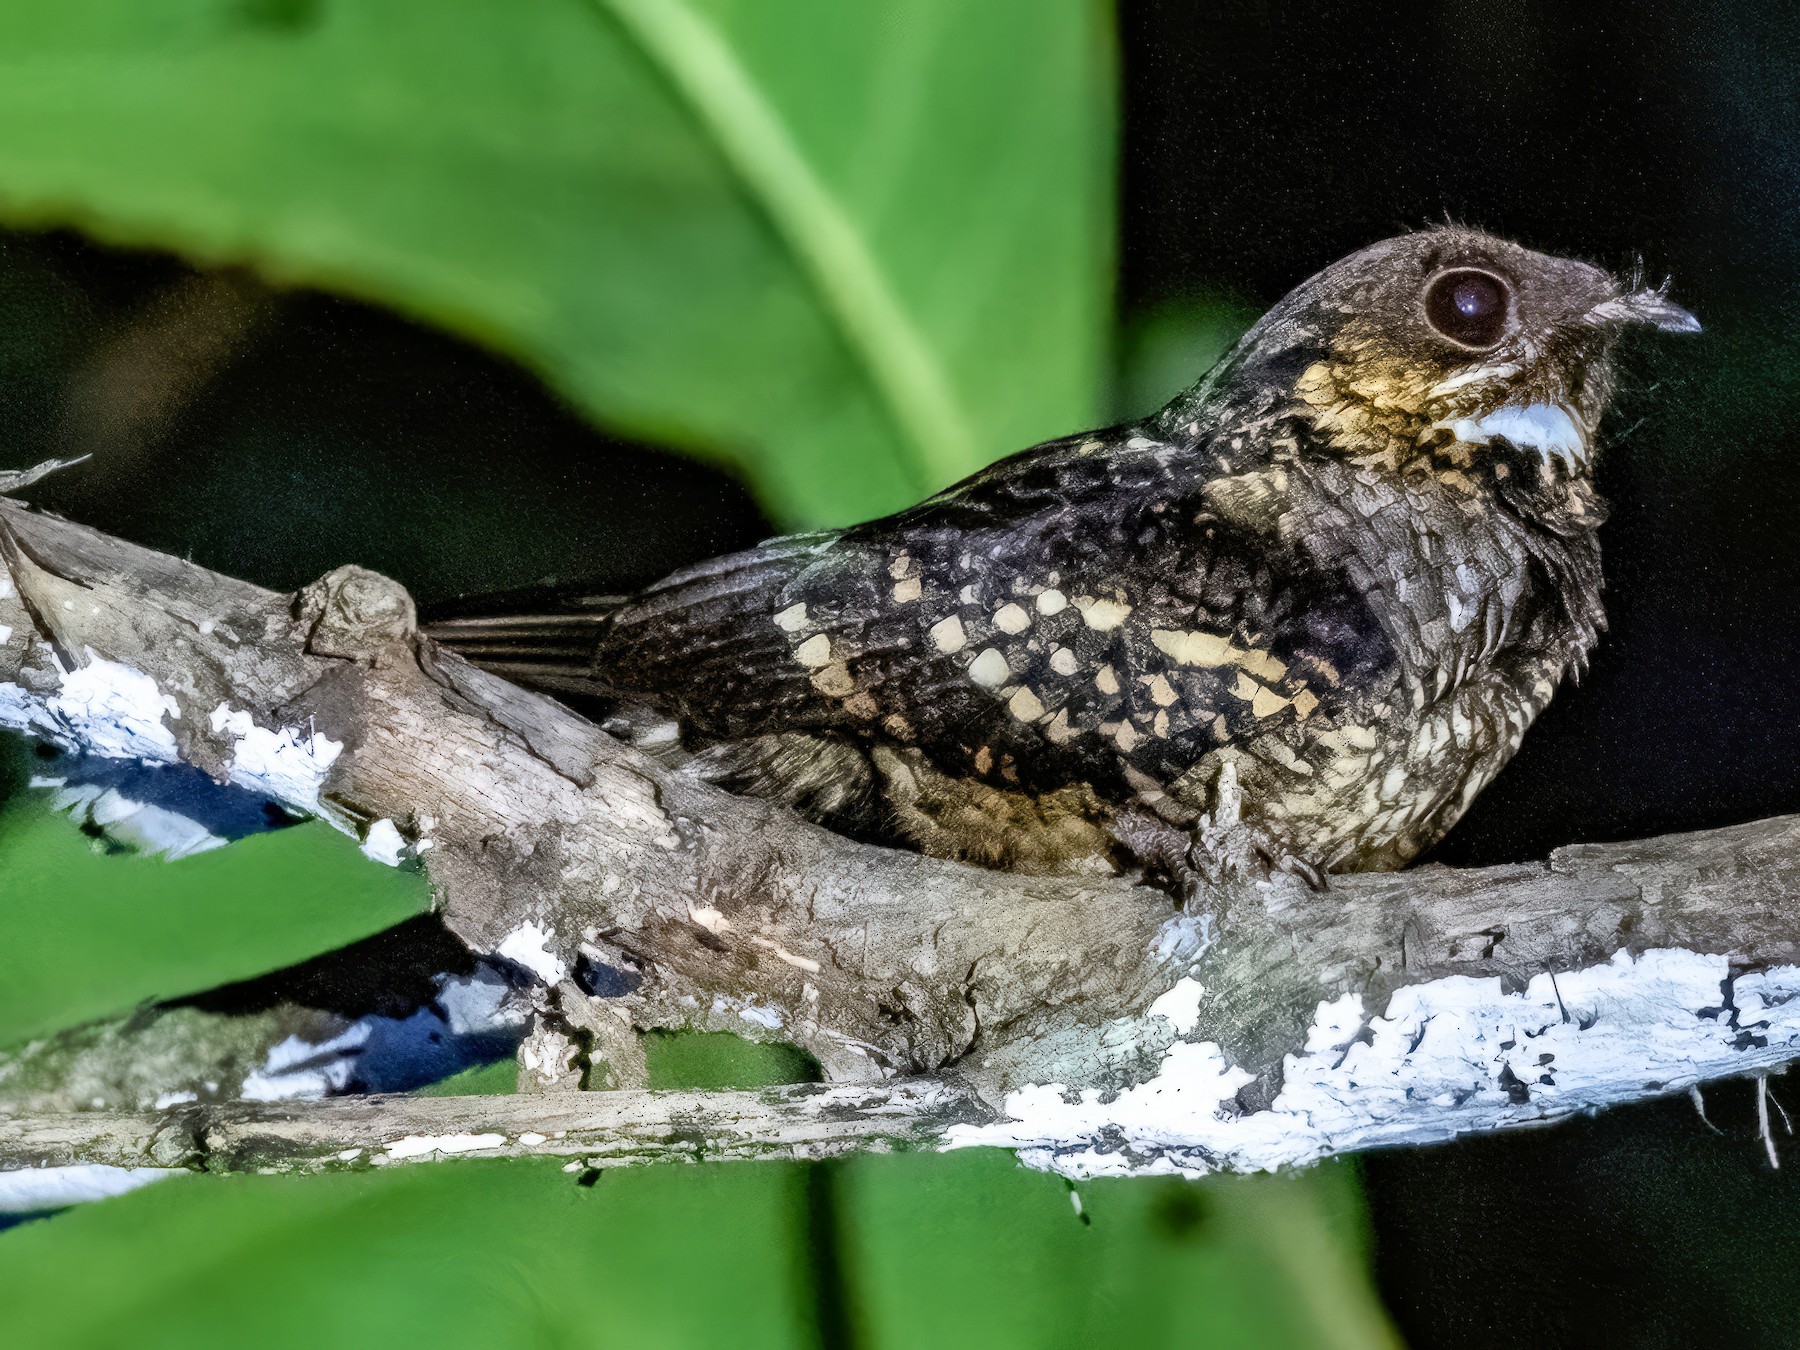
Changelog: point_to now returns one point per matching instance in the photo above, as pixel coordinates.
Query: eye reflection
(1468, 306)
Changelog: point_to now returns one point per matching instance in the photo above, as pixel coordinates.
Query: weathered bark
(1085, 1020)
(597, 1129)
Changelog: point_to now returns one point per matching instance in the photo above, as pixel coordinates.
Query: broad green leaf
(859, 249)
(470, 1254)
(967, 1249)
(84, 934)
(964, 1249)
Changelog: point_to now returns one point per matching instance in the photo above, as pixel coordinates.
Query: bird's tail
(544, 641)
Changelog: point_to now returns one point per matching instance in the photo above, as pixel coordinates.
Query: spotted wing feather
(1065, 617)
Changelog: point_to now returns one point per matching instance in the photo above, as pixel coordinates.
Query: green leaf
(968, 1249)
(717, 1060)
(859, 249)
(963, 1249)
(84, 934)
(499, 1079)
(489, 1255)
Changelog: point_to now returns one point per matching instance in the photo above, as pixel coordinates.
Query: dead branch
(1085, 1021)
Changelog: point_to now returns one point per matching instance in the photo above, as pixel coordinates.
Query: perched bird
(1297, 619)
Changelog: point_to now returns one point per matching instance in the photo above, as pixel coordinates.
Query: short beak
(1643, 306)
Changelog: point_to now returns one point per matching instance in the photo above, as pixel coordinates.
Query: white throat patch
(1548, 428)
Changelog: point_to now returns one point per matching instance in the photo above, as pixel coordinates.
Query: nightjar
(1296, 619)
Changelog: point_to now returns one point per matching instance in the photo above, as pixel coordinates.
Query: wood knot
(356, 613)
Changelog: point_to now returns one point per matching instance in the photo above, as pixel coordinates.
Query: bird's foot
(1237, 858)
(1196, 864)
(1224, 848)
(1165, 855)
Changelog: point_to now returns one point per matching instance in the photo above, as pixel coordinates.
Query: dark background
(232, 424)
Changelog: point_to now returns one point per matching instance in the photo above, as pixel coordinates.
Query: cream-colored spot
(815, 651)
(792, 619)
(1304, 702)
(1011, 619)
(1102, 615)
(1063, 662)
(862, 705)
(1126, 737)
(1267, 703)
(1052, 602)
(905, 592)
(1162, 693)
(1392, 782)
(1195, 649)
(1025, 705)
(989, 670)
(1263, 665)
(1059, 729)
(1246, 688)
(970, 594)
(1105, 681)
(1289, 758)
(947, 634)
(899, 567)
(984, 761)
(1161, 725)
(834, 681)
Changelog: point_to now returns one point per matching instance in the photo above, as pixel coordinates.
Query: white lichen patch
(384, 843)
(757, 1014)
(529, 946)
(804, 963)
(419, 1145)
(1180, 1006)
(102, 708)
(289, 764)
(1447, 1057)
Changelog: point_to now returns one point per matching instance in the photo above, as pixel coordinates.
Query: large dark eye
(1467, 306)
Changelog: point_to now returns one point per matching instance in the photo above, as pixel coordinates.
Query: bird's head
(1448, 346)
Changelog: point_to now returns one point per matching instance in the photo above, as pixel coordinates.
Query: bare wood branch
(596, 1129)
(1085, 1021)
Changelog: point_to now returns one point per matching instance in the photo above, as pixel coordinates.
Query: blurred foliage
(1163, 349)
(498, 1079)
(963, 1249)
(717, 1060)
(85, 932)
(858, 249)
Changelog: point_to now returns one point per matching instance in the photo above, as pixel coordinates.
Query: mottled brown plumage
(1298, 618)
